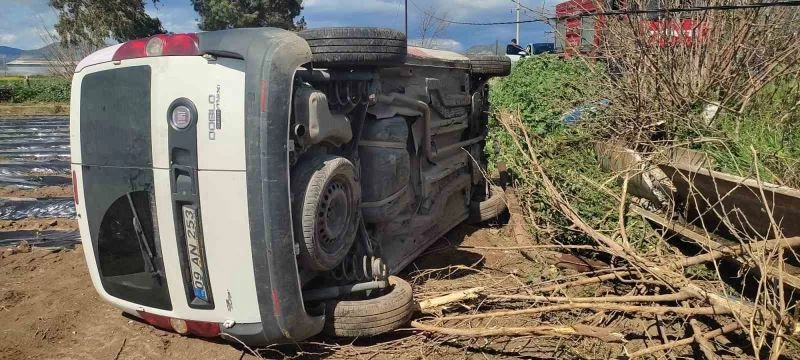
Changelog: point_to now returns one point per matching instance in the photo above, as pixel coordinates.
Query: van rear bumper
(272, 57)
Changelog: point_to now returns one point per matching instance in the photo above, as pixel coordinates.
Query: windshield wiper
(142, 238)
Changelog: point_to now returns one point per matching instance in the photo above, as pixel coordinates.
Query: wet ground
(35, 184)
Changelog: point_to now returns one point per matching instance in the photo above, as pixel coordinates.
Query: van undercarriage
(275, 197)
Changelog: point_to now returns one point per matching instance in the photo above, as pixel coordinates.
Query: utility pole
(406, 19)
(519, 41)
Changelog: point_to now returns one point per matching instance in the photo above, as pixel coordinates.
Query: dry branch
(429, 305)
(729, 251)
(599, 299)
(662, 310)
(687, 341)
(608, 335)
(705, 346)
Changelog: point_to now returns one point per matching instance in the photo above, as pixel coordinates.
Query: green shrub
(38, 90)
(769, 126)
(541, 90)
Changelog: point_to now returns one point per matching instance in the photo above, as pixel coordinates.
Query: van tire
(359, 318)
(312, 181)
(490, 208)
(490, 65)
(338, 47)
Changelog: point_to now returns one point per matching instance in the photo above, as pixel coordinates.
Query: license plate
(195, 250)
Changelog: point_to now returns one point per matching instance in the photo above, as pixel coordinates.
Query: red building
(577, 31)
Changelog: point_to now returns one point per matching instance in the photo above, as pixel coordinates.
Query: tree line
(94, 22)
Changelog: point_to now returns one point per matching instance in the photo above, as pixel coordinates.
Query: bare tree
(63, 58)
(432, 26)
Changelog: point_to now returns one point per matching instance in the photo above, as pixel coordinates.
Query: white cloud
(7, 38)
(438, 44)
(176, 19)
(24, 22)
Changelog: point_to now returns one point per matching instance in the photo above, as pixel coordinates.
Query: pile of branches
(654, 285)
(663, 96)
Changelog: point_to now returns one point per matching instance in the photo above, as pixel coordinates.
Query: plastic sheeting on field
(41, 238)
(16, 209)
(22, 169)
(27, 182)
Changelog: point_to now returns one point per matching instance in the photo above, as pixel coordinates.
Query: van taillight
(75, 187)
(159, 45)
(185, 327)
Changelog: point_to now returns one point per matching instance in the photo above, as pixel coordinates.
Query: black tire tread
(490, 65)
(315, 175)
(356, 318)
(356, 46)
(490, 208)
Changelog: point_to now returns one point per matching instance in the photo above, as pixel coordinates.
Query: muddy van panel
(272, 57)
(236, 183)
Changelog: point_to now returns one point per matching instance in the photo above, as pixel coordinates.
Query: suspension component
(361, 268)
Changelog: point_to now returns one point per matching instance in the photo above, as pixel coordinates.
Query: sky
(23, 22)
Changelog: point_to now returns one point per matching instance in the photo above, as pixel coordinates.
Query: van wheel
(357, 318)
(356, 46)
(325, 210)
(490, 208)
(490, 65)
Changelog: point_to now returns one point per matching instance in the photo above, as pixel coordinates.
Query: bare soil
(34, 109)
(39, 192)
(37, 224)
(50, 310)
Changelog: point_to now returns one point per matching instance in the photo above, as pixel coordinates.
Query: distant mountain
(10, 53)
(39, 54)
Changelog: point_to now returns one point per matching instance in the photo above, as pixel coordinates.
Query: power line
(792, 3)
(520, 4)
(471, 23)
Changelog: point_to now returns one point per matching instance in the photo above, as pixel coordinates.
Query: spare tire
(356, 46)
(325, 210)
(356, 318)
(490, 65)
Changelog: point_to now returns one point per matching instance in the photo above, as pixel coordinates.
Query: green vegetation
(37, 89)
(540, 90)
(769, 126)
(226, 14)
(95, 21)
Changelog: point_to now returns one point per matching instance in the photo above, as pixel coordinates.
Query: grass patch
(37, 89)
(34, 109)
(541, 90)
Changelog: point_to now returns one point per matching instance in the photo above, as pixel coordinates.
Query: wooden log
(431, 304)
